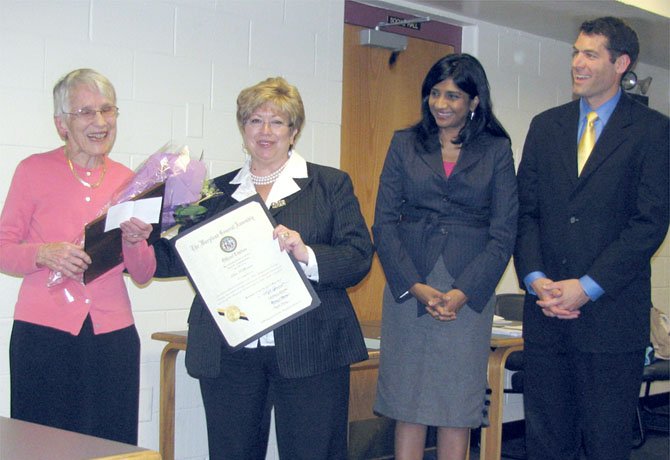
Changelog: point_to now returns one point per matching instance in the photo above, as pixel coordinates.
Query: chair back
(510, 306)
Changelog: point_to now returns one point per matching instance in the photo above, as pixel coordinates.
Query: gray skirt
(433, 372)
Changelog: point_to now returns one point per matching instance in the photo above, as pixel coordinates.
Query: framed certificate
(104, 247)
(248, 284)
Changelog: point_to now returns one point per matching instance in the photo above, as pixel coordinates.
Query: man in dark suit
(586, 237)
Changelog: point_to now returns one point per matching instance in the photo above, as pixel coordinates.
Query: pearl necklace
(269, 179)
(82, 181)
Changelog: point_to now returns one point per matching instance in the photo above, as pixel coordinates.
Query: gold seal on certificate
(232, 313)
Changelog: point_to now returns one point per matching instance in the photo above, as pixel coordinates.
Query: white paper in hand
(148, 210)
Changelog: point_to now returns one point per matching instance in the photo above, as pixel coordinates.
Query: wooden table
(21, 440)
(176, 341)
(363, 387)
(364, 379)
(491, 437)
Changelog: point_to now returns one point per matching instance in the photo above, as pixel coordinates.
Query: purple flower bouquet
(184, 184)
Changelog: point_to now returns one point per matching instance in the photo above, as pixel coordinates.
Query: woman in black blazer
(304, 363)
(445, 225)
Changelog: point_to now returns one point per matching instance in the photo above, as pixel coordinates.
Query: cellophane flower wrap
(183, 176)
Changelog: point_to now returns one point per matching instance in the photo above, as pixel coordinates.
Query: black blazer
(607, 223)
(469, 218)
(326, 213)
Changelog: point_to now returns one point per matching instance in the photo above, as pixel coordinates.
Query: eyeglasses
(276, 125)
(108, 112)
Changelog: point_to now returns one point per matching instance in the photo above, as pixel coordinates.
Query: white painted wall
(178, 66)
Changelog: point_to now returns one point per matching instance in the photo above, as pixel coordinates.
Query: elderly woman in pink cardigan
(74, 349)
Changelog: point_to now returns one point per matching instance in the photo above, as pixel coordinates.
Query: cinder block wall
(177, 67)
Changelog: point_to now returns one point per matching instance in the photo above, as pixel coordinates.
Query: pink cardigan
(46, 203)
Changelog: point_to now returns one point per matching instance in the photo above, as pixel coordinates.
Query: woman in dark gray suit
(303, 364)
(445, 225)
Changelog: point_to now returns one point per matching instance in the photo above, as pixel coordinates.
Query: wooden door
(377, 99)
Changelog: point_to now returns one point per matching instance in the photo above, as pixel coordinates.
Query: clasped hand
(560, 299)
(443, 306)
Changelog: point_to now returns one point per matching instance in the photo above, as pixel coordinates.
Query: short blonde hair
(277, 92)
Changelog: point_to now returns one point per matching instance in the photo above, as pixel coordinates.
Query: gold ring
(285, 235)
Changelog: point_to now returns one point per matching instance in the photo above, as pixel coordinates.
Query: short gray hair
(85, 77)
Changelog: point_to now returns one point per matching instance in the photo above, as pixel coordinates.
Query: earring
(244, 149)
(472, 115)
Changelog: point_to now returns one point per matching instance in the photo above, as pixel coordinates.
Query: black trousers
(311, 413)
(580, 402)
(86, 383)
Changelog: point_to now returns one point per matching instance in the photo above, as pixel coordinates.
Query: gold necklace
(82, 181)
